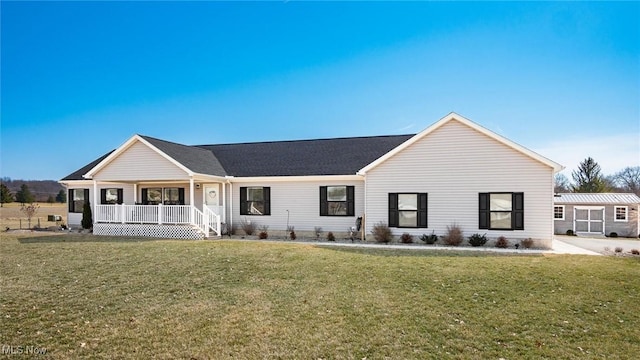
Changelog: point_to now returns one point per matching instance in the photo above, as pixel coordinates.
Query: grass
(80, 296)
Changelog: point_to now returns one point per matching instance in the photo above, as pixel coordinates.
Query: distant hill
(41, 189)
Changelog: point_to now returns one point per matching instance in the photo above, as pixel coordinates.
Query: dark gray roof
(339, 156)
(196, 159)
(342, 156)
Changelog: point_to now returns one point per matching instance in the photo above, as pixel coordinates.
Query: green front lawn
(84, 296)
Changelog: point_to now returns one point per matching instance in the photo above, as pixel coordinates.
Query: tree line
(588, 178)
(25, 196)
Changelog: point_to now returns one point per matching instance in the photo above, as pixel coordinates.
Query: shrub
(406, 238)
(330, 236)
(618, 249)
(429, 239)
(502, 242)
(87, 217)
(635, 251)
(318, 231)
(477, 239)
(381, 233)
(263, 235)
(613, 234)
(453, 236)
(247, 226)
(527, 243)
(570, 232)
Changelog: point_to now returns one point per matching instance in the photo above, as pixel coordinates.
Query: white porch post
(135, 193)
(192, 200)
(95, 200)
(230, 207)
(224, 203)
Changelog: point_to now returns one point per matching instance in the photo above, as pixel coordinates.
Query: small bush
(453, 236)
(292, 235)
(263, 235)
(618, 249)
(330, 236)
(406, 238)
(247, 226)
(318, 231)
(613, 234)
(429, 239)
(502, 242)
(527, 243)
(382, 233)
(635, 251)
(570, 232)
(477, 239)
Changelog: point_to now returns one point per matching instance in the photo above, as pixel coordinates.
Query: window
(166, 196)
(621, 213)
(408, 210)
(77, 198)
(111, 196)
(337, 201)
(255, 201)
(558, 212)
(501, 211)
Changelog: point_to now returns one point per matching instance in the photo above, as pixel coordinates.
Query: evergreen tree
(61, 197)
(587, 178)
(51, 199)
(87, 217)
(24, 195)
(5, 195)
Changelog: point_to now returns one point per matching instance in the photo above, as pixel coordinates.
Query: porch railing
(158, 214)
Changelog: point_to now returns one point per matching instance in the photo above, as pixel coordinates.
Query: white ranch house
(454, 171)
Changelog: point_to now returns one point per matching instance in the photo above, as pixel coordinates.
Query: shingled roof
(338, 156)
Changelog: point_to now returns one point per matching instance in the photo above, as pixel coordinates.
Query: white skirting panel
(149, 230)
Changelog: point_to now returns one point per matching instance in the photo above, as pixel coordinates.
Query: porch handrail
(158, 214)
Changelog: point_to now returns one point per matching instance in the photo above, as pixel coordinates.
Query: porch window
(337, 201)
(255, 200)
(621, 213)
(501, 211)
(111, 196)
(408, 210)
(166, 196)
(558, 212)
(77, 198)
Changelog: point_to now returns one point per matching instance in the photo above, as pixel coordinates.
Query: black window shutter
(145, 200)
(324, 207)
(393, 210)
(266, 192)
(86, 198)
(181, 196)
(243, 201)
(70, 201)
(103, 196)
(120, 196)
(483, 211)
(351, 204)
(422, 210)
(517, 218)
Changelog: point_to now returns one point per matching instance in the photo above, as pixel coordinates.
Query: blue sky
(79, 78)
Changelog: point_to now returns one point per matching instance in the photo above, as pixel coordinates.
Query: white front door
(588, 219)
(212, 197)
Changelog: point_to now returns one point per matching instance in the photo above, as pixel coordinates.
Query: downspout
(224, 203)
(230, 205)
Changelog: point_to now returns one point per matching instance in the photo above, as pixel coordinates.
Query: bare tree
(29, 211)
(561, 183)
(628, 179)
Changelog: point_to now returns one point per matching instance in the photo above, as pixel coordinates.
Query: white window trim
(554, 212)
(615, 213)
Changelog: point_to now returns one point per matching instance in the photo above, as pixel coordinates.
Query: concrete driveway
(599, 244)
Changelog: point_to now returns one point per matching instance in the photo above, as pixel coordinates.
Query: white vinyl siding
(74, 219)
(140, 162)
(453, 164)
(299, 201)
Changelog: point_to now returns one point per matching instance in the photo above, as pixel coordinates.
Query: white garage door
(588, 220)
